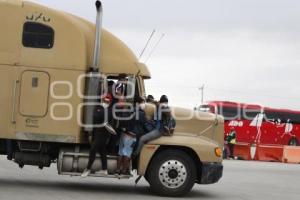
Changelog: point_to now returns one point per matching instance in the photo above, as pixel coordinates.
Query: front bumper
(211, 173)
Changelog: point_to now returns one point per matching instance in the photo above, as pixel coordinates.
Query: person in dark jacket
(164, 125)
(101, 135)
(164, 101)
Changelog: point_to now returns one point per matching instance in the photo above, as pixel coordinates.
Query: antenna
(143, 51)
(154, 48)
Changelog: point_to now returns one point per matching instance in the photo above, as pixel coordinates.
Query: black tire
(171, 165)
(293, 142)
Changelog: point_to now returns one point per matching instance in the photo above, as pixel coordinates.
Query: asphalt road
(241, 180)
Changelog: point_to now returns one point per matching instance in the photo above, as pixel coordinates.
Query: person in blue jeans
(137, 126)
(127, 141)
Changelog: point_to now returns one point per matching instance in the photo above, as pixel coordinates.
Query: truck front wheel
(172, 173)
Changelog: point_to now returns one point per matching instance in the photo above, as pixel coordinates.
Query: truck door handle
(15, 91)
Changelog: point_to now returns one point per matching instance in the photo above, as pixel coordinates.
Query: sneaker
(103, 172)
(86, 173)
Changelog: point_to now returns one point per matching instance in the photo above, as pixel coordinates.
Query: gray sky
(244, 51)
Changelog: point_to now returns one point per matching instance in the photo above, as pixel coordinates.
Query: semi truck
(51, 63)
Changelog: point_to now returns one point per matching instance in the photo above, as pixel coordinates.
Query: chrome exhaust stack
(93, 76)
(96, 58)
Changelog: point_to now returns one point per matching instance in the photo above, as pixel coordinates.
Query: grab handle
(15, 91)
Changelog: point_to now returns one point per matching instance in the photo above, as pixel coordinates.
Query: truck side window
(36, 35)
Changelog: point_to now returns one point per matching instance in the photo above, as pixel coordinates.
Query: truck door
(8, 98)
(34, 92)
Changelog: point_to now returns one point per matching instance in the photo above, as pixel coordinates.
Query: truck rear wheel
(172, 173)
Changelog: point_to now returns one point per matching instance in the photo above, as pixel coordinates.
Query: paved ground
(242, 180)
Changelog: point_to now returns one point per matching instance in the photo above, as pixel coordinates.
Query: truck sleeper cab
(46, 57)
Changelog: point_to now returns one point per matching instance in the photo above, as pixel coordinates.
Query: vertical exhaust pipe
(93, 79)
(96, 58)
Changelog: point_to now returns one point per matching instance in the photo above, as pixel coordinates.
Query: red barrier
(269, 153)
(291, 154)
(242, 151)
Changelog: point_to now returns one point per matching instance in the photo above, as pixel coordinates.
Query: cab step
(116, 176)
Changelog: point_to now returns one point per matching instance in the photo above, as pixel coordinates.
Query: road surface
(242, 180)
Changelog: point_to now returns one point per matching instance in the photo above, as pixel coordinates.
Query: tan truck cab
(50, 66)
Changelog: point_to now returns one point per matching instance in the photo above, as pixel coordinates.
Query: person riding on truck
(164, 122)
(150, 99)
(102, 116)
(137, 126)
(112, 144)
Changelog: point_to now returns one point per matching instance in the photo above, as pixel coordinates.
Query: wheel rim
(172, 174)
